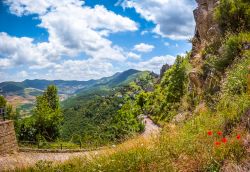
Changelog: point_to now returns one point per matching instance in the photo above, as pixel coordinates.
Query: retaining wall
(8, 142)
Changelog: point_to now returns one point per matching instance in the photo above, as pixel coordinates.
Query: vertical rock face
(206, 31)
(164, 69)
(206, 28)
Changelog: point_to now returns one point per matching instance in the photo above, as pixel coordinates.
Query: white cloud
(154, 64)
(23, 74)
(20, 51)
(167, 44)
(134, 56)
(73, 29)
(144, 48)
(144, 32)
(173, 19)
(81, 70)
(5, 63)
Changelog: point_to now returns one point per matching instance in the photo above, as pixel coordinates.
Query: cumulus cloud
(154, 64)
(73, 29)
(81, 69)
(173, 19)
(134, 55)
(20, 51)
(144, 48)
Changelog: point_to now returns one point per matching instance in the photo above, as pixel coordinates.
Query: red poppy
(224, 140)
(217, 143)
(238, 137)
(219, 133)
(210, 133)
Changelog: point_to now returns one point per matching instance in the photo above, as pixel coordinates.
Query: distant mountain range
(68, 87)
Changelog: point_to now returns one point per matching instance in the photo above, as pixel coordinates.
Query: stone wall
(8, 142)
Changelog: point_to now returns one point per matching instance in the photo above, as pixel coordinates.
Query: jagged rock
(164, 69)
(207, 31)
(206, 27)
(195, 81)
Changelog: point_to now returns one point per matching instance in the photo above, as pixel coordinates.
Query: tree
(126, 121)
(233, 15)
(3, 102)
(47, 114)
(52, 97)
(141, 100)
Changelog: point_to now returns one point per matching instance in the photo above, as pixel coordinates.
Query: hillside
(22, 94)
(67, 87)
(104, 113)
(202, 102)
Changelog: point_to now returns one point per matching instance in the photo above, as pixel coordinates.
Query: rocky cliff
(206, 31)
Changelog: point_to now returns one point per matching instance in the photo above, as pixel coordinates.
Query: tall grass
(183, 147)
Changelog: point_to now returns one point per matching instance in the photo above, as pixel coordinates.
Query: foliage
(232, 49)
(163, 103)
(52, 98)
(233, 15)
(106, 116)
(142, 99)
(188, 146)
(90, 120)
(236, 82)
(2, 101)
(126, 121)
(46, 120)
(180, 147)
(222, 57)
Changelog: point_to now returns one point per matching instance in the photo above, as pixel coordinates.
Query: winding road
(27, 159)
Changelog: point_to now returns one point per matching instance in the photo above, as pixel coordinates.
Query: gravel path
(26, 159)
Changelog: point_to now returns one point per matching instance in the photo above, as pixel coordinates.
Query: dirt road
(26, 159)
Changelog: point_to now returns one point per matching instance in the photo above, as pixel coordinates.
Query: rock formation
(206, 31)
(164, 69)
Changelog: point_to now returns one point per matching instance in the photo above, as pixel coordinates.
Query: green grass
(184, 146)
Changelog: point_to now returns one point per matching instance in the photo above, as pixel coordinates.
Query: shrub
(232, 49)
(236, 82)
(233, 15)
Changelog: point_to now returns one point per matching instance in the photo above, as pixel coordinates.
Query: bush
(236, 82)
(232, 49)
(233, 15)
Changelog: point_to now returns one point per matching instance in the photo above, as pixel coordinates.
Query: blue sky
(82, 40)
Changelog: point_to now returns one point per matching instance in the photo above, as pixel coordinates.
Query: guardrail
(54, 147)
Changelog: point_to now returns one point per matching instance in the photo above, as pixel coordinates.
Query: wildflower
(238, 137)
(217, 143)
(224, 140)
(219, 133)
(210, 133)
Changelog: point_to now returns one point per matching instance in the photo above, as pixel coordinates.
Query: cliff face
(164, 69)
(206, 28)
(206, 31)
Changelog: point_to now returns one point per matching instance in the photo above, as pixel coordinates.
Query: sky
(90, 39)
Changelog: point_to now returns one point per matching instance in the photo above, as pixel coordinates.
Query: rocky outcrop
(206, 28)
(206, 31)
(164, 69)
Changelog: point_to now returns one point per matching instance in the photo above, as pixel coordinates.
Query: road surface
(26, 159)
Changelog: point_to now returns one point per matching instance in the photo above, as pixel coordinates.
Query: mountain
(107, 83)
(67, 87)
(22, 94)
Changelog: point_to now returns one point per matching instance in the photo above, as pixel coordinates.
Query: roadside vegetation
(214, 135)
